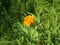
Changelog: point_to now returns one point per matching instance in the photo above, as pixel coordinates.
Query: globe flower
(28, 20)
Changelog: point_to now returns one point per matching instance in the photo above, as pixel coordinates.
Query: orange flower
(28, 20)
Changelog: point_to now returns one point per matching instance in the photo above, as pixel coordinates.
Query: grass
(45, 30)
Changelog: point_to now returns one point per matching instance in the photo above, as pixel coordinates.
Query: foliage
(45, 30)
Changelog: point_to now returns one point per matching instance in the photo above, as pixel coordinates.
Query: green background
(45, 30)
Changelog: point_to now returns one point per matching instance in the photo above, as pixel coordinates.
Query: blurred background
(47, 21)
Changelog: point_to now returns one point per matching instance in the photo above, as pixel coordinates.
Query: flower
(28, 20)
